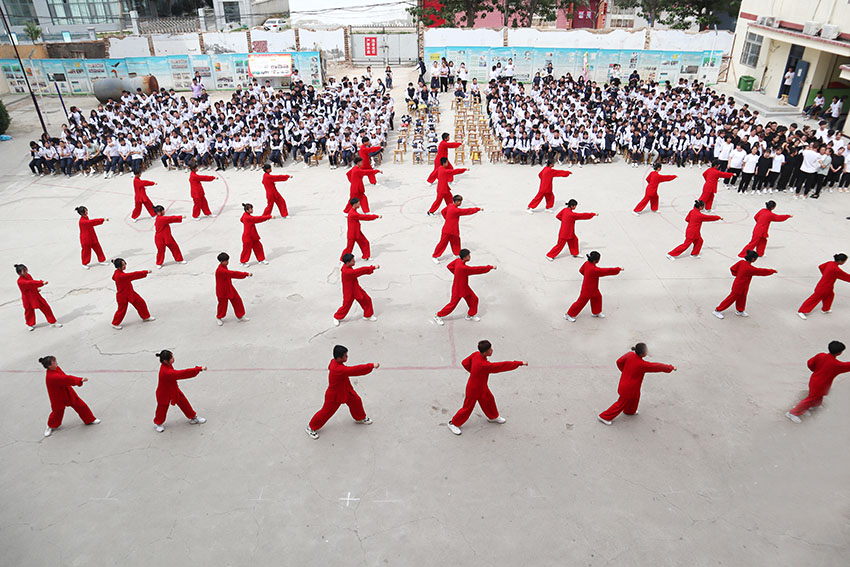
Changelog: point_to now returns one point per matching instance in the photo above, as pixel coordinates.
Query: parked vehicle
(274, 24)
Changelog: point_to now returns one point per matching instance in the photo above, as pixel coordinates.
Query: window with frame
(752, 49)
(20, 12)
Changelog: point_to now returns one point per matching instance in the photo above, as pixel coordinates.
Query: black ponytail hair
(118, 262)
(656, 166)
(164, 356)
(698, 204)
(594, 257)
(246, 206)
(640, 349)
(751, 256)
(81, 210)
(770, 205)
(159, 209)
(46, 361)
(223, 257)
(20, 268)
(572, 203)
(840, 257)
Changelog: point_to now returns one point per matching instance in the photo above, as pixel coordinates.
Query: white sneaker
(605, 421)
(717, 314)
(500, 420)
(826, 312)
(801, 315)
(598, 315)
(529, 211)
(243, 319)
(182, 262)
(86, 267)
(56, 325)
(550, 259)
(159, 428)
(742, 314)
(635, 213)
(159, 266)
(474, 318)
(243, 264)
(219, 322)
(149, 319)
(117, 327)
(48, 432)
(104, 263)
(372, 318)
(31, 327)
(454, 428)
(696, 256)
(669, 257)
(570, 319)
(197, 420)
(365, 421)
(95, 422)
(336, 322)
(793, 417)
(136, 219)
(266, 262)
(438, 320)
(435, 260)
(312, 434)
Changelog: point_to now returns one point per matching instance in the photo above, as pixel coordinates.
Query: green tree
(650, 10)
(451, 12)
(4, 118)
(32, 31)
(681, 15)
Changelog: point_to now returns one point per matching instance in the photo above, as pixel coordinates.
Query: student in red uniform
(590, 287)
(162, 236)
(477, 390)
(357, 190)
(442, 152)
(351, 290)
(365, 153)
(825, 288)
(545, 190)
(340, 391)
(88, 238)
(445, 174)
(140, 196)
(169, 393)
(632, 368)
(709, 188)
(199, 199)
(825, 368)
(224, 290)
(125, 294)
(355, 234)
(460, 287)
(743, 271)
(763, 219)
(62, 395)
(567, 232)
(694, 219)
(273, 197)
(250, 236)
(651, 196)
(31, 298)
(451, 230)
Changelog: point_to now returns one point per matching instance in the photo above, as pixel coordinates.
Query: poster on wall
(270, 65)
(433, 54)
(78, 80)
(55, 71)
(240, 69)
(669, 68)
(689, 64)
(458, 55)
(201, 65)
(650, 61)
(524, 64)
(181, 73)
(137, 66)
(478, 66)
(309, 66)
(542, 58)
(160, 68)
(500, 55)
(14, 75)
(222, 68)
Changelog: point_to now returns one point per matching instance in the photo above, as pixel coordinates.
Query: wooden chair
(401, 143)
(314, 159)
(417, 157)
(398, 156)
(475, 155)
(460, 155)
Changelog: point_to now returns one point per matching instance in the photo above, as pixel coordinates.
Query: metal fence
(383, 48)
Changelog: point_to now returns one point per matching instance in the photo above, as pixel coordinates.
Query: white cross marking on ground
(348, 500)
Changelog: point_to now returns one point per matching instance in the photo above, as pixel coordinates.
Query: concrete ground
(709, 473)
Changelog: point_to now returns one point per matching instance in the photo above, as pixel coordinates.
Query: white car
(274, 24)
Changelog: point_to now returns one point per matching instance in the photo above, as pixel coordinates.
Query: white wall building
(232, 14)
(333, 13)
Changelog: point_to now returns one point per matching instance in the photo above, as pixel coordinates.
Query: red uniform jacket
(355, 176)
(443, 151)
(695, 219)
(633, 368)
(354, 219)
(139, 185)
(452, 214)
(87, 234)
(29, 290)
(167, 389)
(763, 219)
(349, 278)
(568, 218)
(480, 368)
(223, 281)
(268, 182)
(547, 173)
(59, 388)
(711, 175)
(338, 383)
(592, 273)
(654, 179)
(830, 271)
(249, 230)
(161, 228)
(197, 190)
(825, 368)
(124, 281)
(444, 175)
(462, 271)
(744, 272)
(364, 152)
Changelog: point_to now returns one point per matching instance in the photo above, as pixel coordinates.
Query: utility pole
(23, 71)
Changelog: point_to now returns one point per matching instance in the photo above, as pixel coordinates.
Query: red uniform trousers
(137, 210)
(651, 199)
(696, 241)
(809, 304)
(548, 195)
(248, 246)
(758, 243)
(361, 241)
(352, 400)
(347, 301)
(136, 300)
(29, 312)
(471, 300)
(276, 200)
(572, 242)
(182, 403)
(627, 405)
(364, 204)
(446, 239)
(595, 304)
(806, 404)
(708, 199)
(87, 250)
(441, 197)
(200, 205)
(236, 301)
(484, 399)
(171, 244)
(739, 298)
(78, 405)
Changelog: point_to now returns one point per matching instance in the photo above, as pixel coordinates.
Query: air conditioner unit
(761, 20)
(830, 31)
(771, 22)
(811, 28)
